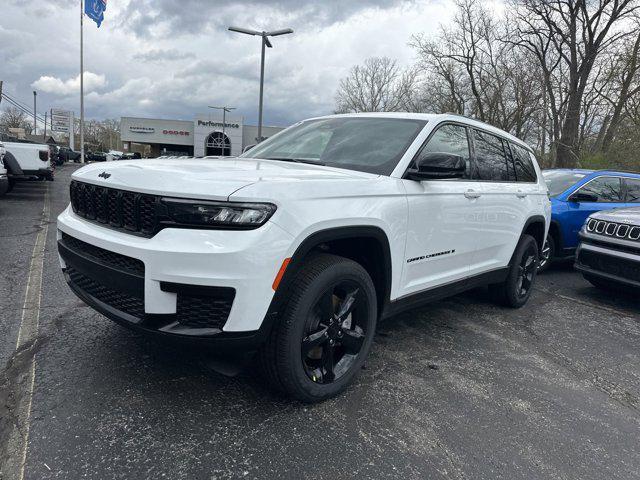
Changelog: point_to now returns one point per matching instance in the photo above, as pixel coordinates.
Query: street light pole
(224, 123)
(35, 125)
(265, 43)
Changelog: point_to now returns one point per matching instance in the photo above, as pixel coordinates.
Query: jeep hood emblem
(105, 175)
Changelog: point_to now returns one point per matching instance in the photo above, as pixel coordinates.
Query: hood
(206, 178)
(630, 215)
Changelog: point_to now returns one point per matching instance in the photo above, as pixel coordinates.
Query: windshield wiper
(296, 160)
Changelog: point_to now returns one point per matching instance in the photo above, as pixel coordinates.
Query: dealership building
(201, 137)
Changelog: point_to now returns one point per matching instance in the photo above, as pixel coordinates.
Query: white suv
(298, 247)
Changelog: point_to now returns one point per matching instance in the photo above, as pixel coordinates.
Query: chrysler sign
(140, 129)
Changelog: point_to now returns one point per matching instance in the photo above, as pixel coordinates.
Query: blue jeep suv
(575, 194)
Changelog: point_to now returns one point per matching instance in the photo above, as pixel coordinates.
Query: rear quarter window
(523, 161)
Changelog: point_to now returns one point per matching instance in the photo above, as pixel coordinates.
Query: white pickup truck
(27, 161)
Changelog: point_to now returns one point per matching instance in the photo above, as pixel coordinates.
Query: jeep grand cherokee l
(298, 247)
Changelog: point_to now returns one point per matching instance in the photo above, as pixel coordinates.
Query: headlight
(218, 214)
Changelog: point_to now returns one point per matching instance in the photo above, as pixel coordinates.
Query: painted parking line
(26, 340)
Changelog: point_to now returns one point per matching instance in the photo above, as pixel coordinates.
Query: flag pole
(81, 84)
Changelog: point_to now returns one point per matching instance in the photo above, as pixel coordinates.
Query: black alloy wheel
(323, 335)
(527, 271)
(546, 254)
(334, 335)
(518, 285)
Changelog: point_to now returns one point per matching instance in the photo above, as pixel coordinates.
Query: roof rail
(617, 170)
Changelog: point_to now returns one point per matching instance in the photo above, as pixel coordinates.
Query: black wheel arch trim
(313, 241)
(557, 237)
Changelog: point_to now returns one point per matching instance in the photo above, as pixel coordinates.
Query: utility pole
(44, 137)
(0, 91)
(35, 125)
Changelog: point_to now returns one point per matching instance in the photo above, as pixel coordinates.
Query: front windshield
(559, 180)
(367, 144)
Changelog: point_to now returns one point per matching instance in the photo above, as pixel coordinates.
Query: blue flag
(95, 10)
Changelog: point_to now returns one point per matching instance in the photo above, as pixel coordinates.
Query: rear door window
(633, 190)
(491, 158)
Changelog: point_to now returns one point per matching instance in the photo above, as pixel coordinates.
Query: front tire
(516, 289)
(325, 332)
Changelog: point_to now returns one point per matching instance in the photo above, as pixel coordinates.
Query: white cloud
(57, 86)
(155, 58)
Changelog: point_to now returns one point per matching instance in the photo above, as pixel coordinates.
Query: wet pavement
(461, 389)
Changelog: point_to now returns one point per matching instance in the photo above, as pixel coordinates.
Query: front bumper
(156, 273)
(617, 261)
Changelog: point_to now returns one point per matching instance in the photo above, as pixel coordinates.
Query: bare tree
(378, 85)
(567, 37)
(13, 117)
(472, 71)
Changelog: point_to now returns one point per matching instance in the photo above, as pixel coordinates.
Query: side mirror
(248, 147)
(583, 197)
(438, 165)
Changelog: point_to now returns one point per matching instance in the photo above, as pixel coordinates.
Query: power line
(22, 108)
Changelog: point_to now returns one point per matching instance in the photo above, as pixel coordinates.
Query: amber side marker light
(280, 274)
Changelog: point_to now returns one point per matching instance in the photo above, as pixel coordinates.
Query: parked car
(576, 194)
(27, 161)
(131, 156)
(609, 251)
(96, 157)
(68, 155)
(4, 178)
(299, 246)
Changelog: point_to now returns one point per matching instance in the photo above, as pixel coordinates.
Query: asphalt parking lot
(461, 389)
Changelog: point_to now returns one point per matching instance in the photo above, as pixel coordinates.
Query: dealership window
(217, 143)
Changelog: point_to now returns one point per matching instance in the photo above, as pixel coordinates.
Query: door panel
(443, 225)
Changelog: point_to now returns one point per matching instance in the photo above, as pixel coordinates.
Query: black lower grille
(204, 311)
(106, 257)
(620, 267)
(119, 300)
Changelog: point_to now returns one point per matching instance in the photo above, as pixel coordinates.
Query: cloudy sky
(172, 58)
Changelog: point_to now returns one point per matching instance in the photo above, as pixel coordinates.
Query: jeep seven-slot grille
(119, 300)
(107, 257)
(613, 229)
(118, 209)
(620, 267)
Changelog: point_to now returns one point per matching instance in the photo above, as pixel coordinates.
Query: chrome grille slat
(619, 230)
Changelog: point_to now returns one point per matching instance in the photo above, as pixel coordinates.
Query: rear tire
(516, 289)
(313, 352)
